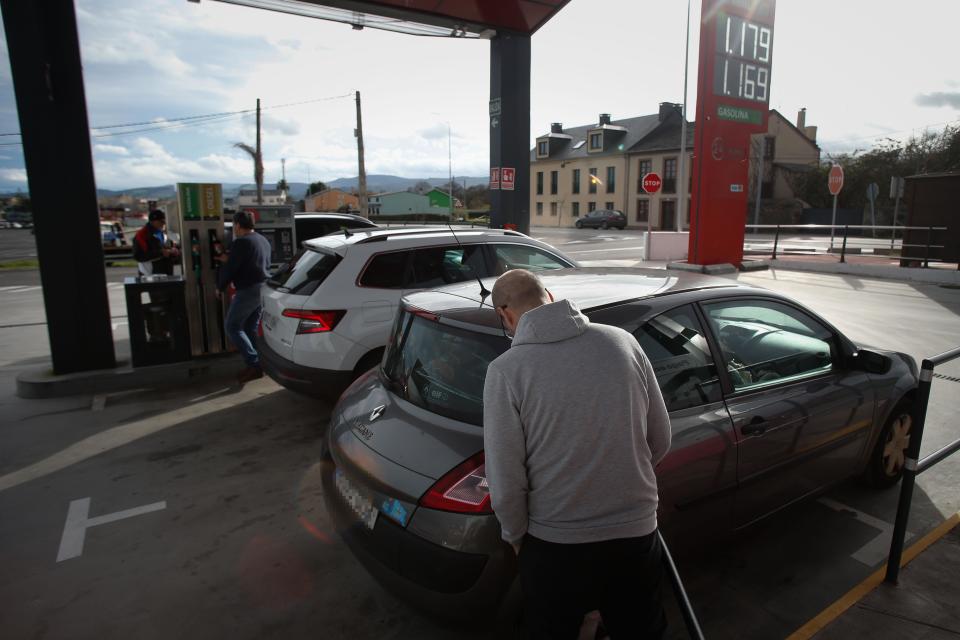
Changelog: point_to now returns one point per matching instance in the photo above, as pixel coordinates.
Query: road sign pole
(833, 221)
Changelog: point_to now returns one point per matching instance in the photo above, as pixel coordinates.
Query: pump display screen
(742, 62)
(281, 243)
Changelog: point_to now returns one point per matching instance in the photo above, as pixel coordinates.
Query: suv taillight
(464, 489)
(314, 321)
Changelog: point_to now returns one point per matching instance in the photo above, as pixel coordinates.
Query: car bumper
(443, 582)
(296, 377)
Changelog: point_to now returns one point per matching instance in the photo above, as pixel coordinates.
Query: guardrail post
(776, 241)
(926, 259)
(843, 249)
(918, 416)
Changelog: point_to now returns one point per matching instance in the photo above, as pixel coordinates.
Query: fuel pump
(276, 224)
(201, 221)
(217, 250)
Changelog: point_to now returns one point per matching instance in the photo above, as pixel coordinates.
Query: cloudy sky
(863, 72)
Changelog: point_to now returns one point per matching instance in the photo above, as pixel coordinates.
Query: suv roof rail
(383, 234)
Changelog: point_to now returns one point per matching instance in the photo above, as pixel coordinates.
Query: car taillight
(314, 321)
(464, 489)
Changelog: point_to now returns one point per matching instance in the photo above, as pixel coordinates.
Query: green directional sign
(739, 114)
(200, 201)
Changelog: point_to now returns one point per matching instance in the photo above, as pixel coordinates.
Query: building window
(539, 183)
(591, 206)
(554, 181)
(593, 180)
(769, 147)
(645, 167)
(553, 208)
(575, 209)
(543, 148)
(539, 208)
(596, 141)
(611, 179)
(608, 206)
(669, 175)
(643, 210)
(668, 215)
(576, 181)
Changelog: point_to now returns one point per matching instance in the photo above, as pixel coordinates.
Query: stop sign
(835, 179)
(652, 183)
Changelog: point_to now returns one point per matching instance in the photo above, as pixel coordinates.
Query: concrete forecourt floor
(194, 511)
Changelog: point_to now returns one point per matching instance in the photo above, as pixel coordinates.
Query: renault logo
(376, 413)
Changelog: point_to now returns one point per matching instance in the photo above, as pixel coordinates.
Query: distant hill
(375, 183)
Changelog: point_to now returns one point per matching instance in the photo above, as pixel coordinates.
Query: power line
(160, 123)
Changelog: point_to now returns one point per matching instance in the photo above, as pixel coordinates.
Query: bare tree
(257, 167)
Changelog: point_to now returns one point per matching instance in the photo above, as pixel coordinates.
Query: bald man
(573, 426)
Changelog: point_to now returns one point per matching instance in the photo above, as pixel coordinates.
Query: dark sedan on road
(603, 219)
(769, 403)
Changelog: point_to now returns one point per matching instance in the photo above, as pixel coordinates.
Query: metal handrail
(841, 226)
(686, 608)
(913, 464)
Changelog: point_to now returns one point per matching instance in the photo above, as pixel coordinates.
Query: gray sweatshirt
(573, 425)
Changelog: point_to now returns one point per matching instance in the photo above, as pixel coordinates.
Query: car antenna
(483, 290)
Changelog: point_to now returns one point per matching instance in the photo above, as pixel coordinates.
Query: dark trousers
(621, 578)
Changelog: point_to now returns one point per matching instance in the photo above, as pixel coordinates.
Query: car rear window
(305, 272)
(440, 368)
(386, 271)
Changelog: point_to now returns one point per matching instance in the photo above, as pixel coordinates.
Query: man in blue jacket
(247, 266)
(570, 469)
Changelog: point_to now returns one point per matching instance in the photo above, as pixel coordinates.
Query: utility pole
(761, 160)
(450, 167)
(358, 132)
(283, 177)
(258, 169)
(682, 169)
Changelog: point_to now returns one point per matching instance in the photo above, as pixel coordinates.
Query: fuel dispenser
(276, 224)
(201, 226)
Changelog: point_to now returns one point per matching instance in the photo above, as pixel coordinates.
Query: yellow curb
(853, 596)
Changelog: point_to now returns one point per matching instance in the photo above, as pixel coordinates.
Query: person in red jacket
(152, 248)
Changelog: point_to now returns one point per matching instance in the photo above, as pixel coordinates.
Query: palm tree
(257, 167)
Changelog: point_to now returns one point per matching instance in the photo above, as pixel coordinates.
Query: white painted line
(637, 249)
(75, 528)
(876, 550)
(19, 289)
(124, 434)
(99, 402)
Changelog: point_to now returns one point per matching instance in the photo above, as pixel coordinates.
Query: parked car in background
(603, 219)
(327, 315)
(314, 225)
(769, 403)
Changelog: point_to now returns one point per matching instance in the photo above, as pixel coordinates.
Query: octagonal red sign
(652, 183)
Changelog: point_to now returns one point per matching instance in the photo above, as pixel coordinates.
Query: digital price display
(742, 62)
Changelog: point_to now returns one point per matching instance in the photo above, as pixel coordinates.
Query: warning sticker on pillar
(494, 177)
(508, 177)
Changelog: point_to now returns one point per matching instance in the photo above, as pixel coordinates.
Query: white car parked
(327, 315)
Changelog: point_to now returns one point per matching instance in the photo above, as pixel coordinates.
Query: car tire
(605, 225)
(367, 362)
(885, 467)
(579, 225)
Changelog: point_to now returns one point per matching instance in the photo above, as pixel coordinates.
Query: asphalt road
(194, 511)
(17, 244)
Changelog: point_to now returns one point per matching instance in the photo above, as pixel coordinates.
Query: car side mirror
(869, 361)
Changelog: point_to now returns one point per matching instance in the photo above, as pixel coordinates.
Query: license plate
(359, 503)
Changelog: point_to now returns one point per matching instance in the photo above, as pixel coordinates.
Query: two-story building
(331, 200)
(271, 197)
(601, 166)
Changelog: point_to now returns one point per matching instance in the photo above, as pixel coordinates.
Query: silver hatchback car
(769, 403)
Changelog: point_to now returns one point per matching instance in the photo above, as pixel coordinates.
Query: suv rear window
(304, 273)
(440, 368)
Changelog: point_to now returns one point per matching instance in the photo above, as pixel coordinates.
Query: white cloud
(14, 175)
(112, 149)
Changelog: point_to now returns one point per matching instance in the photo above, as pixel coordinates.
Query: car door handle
(755, 427)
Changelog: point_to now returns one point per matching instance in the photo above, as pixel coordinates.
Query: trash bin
(157, 316)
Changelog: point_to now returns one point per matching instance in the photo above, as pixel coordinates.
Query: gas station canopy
(438, 18)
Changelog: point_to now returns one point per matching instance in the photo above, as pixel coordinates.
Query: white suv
(327, 314)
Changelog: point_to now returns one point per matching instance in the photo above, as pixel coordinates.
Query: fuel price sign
(742, 62)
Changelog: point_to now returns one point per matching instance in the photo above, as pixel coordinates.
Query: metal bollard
(843, 249)
(918, 415)
(776, 241)
(926, 259)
